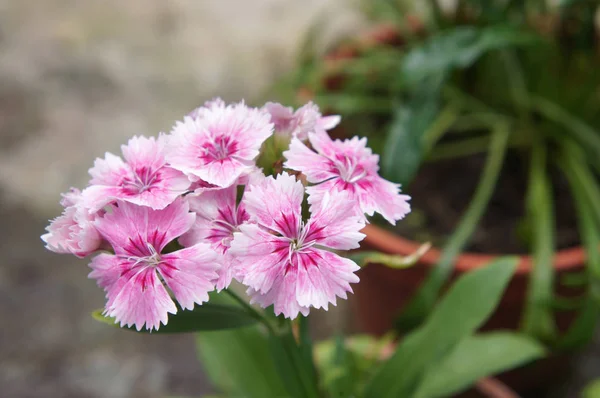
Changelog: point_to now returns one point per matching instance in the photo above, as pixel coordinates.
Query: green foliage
(592, 390)
(468, 303)
(239, 363)
(476, 357)
(418, 308)
(458, 48)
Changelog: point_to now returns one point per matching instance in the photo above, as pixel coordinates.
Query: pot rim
(391, 243)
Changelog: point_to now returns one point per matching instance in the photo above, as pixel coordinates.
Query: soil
(441, 192)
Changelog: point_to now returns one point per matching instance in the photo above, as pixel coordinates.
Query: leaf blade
(468, 303)
(476, 357)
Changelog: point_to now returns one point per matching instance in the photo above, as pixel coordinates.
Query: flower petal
(315, 167)
(141, 301)
(189, 273)
(130, 228)
(334, 222)
(109, 171)
(275, 203)
(322, 276)
(374, 194)
(262, 256)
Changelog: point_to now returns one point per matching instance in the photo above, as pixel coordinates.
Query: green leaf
(466, 306)
(538, 320)
(476, 357)
(364, 258)
(420, 305)
(458, 48)
(239, 363)
(582, 132)
(592, 390)
(404, 145)
(291, 365)
(582, 329)
(208, 316)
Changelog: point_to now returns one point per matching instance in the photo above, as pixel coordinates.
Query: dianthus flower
(283, 260)
(347, 166)
(130, 276)
(220, 144)
(144, 179)
(73, 231)
(298, 124)
(218, 216)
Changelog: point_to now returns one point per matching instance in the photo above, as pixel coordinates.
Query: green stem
(439, 127)
(251, 310)
(423, 301)
(537, 316)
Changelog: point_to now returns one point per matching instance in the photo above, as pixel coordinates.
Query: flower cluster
(187, 212)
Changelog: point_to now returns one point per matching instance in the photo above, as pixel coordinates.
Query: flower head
(298, 124)
(218, 216)
(144, 178)
(283, 260)
(130, 276)
(220, 144)
(73, 231)
(347, 166)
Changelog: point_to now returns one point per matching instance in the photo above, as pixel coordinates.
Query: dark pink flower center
(141, 180)
(226, 224)
(348, 168)
(219, 148)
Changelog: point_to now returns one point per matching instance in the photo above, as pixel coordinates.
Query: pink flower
(219, 145)
(130, 276)
(347, 166)
(298, 124)
(283, 260)
(217, 217)
(73, 231)
(145, 179)
(213, 103)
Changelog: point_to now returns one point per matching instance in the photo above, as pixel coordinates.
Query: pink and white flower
(347, 166)
(304, 120)
(144, 179)
(218, 216)
(130, 276)
(73, 231)
(219, 145)
(283, 260)
(213, 103)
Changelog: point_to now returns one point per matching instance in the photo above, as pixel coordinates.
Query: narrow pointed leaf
(239, 363)
(476, 357)
(466, 306)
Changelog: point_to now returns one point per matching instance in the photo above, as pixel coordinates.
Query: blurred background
(78, 78)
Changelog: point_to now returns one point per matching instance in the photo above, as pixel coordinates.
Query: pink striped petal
(141, 301)
(275, 203)
(189, 273)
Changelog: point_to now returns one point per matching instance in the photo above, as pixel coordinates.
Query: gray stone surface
(77, 78)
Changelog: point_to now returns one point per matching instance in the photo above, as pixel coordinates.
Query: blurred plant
(480, 77)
